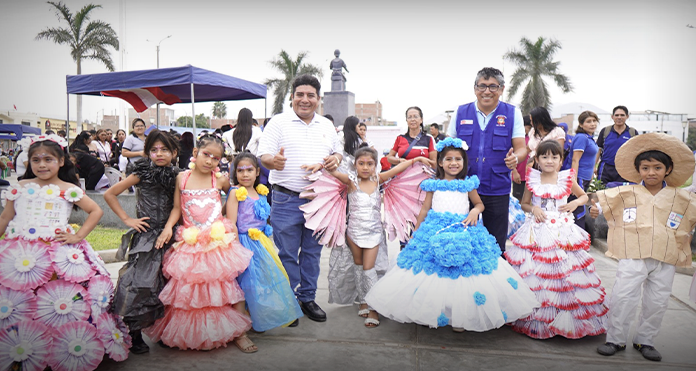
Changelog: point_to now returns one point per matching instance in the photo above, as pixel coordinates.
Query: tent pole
(158, 115)
(265, 111)
(193, 115)
(67, 122)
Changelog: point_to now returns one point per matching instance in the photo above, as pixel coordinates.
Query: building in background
(150, 116)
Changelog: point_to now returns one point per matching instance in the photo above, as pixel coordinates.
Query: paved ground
(344, 343)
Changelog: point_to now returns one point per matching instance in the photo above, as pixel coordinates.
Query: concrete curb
(109, 256)
(601, 245)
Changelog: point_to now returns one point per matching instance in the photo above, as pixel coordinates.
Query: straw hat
(681, 155)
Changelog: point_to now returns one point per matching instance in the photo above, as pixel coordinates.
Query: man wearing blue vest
(610, 139)
(494, 131)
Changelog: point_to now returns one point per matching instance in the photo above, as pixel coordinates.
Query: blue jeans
(299, 251)
(495, 217)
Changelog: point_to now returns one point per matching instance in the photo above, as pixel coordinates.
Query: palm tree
(219, 110)
(534, 61)
(87, 39)
(290, 69)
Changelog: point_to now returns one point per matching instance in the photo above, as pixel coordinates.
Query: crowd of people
(221, 244)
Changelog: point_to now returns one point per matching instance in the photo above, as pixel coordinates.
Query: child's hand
(235, 231)
(594, 210)
(68, 238)
(472, 218)
(539, 214)
(313, 168)
(137, 224)
(163, 238)
(516, 177)
(422, 160)
(569, 207)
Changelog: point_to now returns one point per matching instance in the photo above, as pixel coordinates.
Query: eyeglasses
(482, 87)
(139, 127)
(411, 117)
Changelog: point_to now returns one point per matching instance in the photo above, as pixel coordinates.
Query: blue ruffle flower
(459, 185)
(504, 316)
(262, 210)
(512, 282)
(442, 320)
(479, 298)
(451, 142)
(268, 230)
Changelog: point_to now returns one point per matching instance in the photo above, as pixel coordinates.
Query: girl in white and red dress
(550, 254)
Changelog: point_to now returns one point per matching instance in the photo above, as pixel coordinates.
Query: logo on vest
(466, 122)
(674, 220)
(500, 120)
(629, 215)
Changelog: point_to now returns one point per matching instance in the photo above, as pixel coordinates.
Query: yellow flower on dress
(262, 189)
(217, 231)
(191, 235)
(254, 234)
(241, 193)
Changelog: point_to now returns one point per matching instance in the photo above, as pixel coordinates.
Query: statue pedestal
(339, 104)
(338, 85)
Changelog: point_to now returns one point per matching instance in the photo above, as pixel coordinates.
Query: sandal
(458, 329)
(371, 322)
(245, 345)
(363, 312)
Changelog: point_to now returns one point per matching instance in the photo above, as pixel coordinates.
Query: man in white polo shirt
(291, 140)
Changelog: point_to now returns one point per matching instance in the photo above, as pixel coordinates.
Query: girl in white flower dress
(55, 293)
(550, 254)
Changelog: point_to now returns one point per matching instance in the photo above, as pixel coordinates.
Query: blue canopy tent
(187, 84)
(17, 131)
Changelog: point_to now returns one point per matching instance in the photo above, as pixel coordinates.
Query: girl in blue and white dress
(451, 271)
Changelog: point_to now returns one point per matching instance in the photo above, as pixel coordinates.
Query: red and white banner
(142, 99)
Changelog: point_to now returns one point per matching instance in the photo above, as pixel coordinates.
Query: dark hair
(581, 120)
(547, 146)
(207, 139)
(541, 118)
(246, 155)
(120, 130)
(306, 80)
(363, 124)
(420, 112)
(79, 143)
(242, 132)
(527, 121)
(187, 141)
(61, 133)
(49, 132)
(654, 155)
(440, 157)
(365, 150)
(619, 108)
(66, 172)
(225, 128)
(329, 117)
(434, 125)
(351, 137)
(488, 72)
(164, 137)
(135, 121)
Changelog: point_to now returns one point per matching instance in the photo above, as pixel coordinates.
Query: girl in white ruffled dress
(55, 292)
(550, 254)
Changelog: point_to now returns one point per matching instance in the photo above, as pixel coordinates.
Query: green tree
(201, 122)
(290, 69)
(219, 110)
(534, 61)
(87, 39)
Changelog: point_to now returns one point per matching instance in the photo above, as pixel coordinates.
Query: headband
(28, 140)
(451, 142)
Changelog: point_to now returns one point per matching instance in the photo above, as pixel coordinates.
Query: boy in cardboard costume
(649, 232)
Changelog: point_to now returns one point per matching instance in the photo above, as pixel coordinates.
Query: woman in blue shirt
(585, 156)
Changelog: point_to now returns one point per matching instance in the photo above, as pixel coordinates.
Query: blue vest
(488, 148)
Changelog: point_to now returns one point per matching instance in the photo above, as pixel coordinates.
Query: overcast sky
(635, 53)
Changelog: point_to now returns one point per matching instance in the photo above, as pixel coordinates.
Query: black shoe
(648, 352)
(138, 346)
(163, 345)
(294, 323)
(609, 349)
(313, 311)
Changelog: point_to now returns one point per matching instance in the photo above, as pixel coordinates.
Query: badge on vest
(466, 122)
(629, 215)
(674, 220)
(500, 120)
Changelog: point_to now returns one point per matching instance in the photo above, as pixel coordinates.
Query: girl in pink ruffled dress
(550, 254)
(55, 293)
(203, 304)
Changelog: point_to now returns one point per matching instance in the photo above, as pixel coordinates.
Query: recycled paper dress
(449, 274)
(55, 298)
(202, 267)
(553, 260)
(269, 297)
